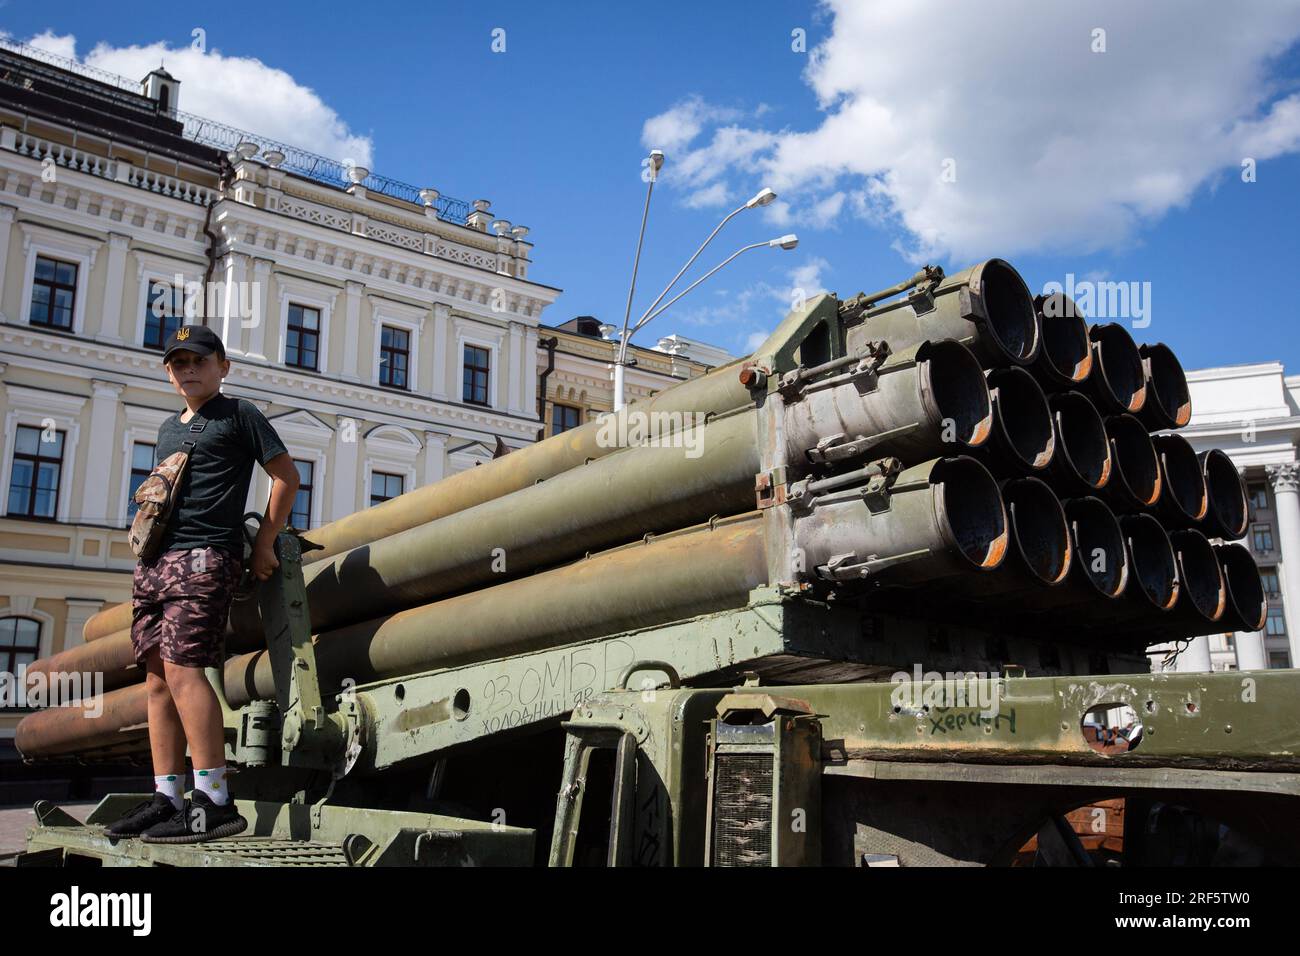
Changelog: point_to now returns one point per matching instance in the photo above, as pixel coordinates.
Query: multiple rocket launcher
(948, 436)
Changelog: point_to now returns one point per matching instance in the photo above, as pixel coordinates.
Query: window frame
(370, 488)
(577, 413)
(309, 487)
(1267, 528)
(53, 244)
(289, 327)
(1275, 614)
(54, 285)
(465, 367)
(9, 653)
(390, 350)
(38, 460)
(131, 473)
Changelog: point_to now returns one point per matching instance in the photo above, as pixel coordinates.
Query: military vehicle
(880, 593)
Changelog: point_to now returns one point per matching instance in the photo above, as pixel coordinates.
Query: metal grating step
(275, 852)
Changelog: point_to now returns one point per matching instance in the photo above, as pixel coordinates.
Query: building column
(110, 325)
(1251, 655)
(260, 299)
(80, 610)
(1286, 493)
(515, 368)
(531, 371)
(6, 229)
(435, 456)
(100, 452)
(347, 453)
(235, 269)
(352, 333)
(441, 347)
(1196, 657)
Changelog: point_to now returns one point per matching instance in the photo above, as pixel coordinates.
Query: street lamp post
(654, 163)
(762, 198)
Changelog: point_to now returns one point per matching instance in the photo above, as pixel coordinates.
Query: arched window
(20, 642)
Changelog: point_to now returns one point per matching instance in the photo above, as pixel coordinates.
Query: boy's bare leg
(200, 712)
(166, 733)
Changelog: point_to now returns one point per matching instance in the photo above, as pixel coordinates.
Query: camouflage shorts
(180, 600)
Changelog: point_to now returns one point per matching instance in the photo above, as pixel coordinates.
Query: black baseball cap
(198, 339)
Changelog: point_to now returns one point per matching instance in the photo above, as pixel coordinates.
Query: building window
(303, 337)
(475, 390)
(564, 417)
(20, 643)
(1279, 660)
(164, 311)
(1261, 538)
(394, 356)
(34, 478)
(384, 486)
(1275, 623)
(54, 293)
(1258, 497)
(141, 465)
(300, 516)
(1268, 579)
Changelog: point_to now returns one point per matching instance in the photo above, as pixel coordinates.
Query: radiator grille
(742, 811)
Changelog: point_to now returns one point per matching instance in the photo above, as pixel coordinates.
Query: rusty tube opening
(1183, 501)
(1082, 460)
(1226, 513)
(1022, 432)
(1152, 565)
(1009, 311)
(1066, 354)
(1169, 400)
(1118, 379)
(1245, 609)
(969, 507)
(951, 375)
(1099, 553)
(1199, 572)
(1135, 482)
(1038, 529)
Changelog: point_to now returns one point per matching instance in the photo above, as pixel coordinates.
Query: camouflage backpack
(156, 497)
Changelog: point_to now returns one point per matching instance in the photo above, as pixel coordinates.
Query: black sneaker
(142, 816)
(199, 820)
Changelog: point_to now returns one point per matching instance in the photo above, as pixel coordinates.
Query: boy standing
(180, 598)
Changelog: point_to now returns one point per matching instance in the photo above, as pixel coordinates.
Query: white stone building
(1252, 412)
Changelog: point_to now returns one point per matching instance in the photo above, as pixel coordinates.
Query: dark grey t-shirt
(230, 435)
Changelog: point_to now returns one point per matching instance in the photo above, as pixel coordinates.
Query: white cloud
(808, 276)
(239, 91)
(674, 128)
(1054, 147)
(707, 197)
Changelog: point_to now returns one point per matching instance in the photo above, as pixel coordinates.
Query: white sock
(212, 782)
(171, 786)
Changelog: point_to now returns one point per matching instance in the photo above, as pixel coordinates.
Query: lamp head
(762, 198)
(785, 242)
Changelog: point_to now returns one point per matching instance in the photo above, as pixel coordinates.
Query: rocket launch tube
(986, 307)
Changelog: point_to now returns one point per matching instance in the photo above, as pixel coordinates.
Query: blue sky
(1121, 163)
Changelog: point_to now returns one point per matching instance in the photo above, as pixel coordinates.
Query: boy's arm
(284, 486)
